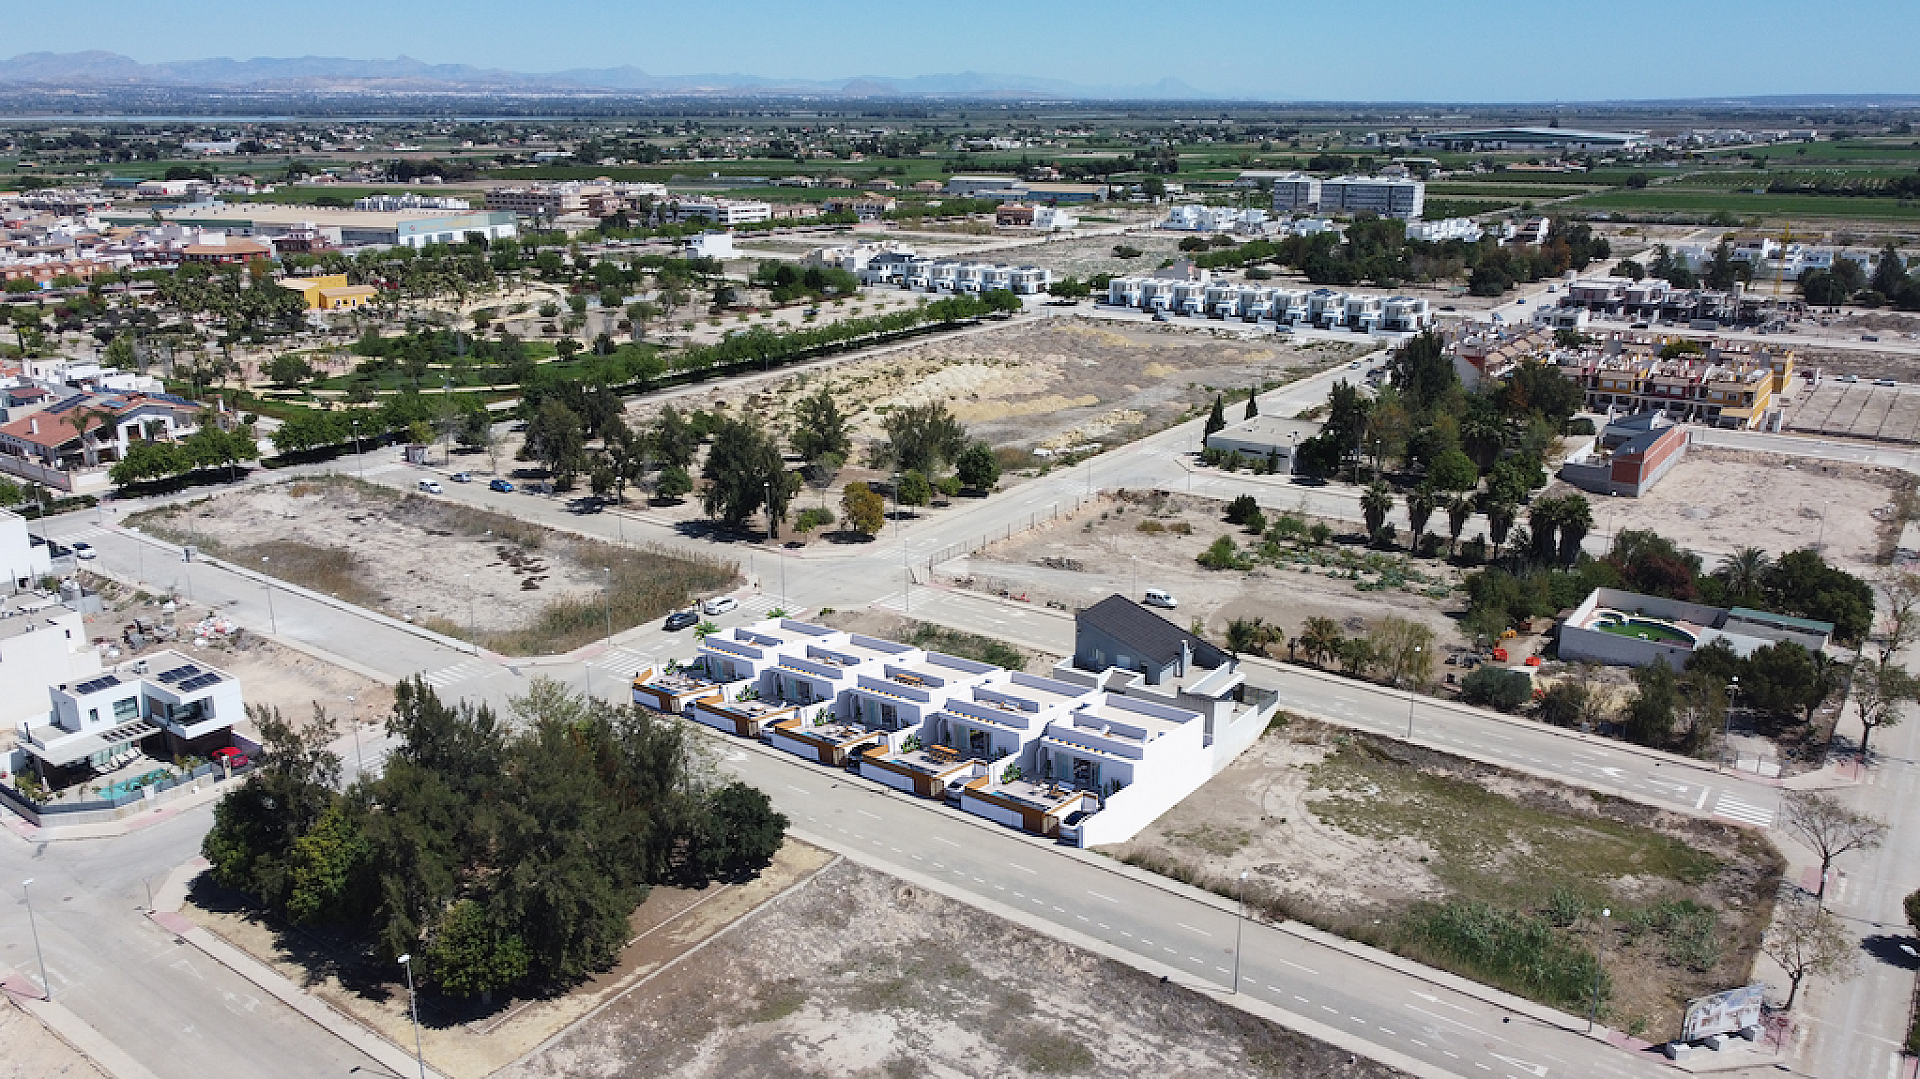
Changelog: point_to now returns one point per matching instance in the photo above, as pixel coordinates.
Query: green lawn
(1651, 631)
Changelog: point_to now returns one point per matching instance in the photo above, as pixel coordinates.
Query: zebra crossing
(460, 672)
(621, 660)
(1744, 812)
(760, 603)
(91, 532)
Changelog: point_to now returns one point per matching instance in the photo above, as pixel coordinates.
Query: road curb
(78, 1034)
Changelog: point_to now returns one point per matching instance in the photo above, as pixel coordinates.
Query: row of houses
(1654, 299)
(893, 264)
(41, 439)
(1090, 753)
(1324, 308)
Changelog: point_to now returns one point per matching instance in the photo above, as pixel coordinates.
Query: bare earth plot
(461, 1039)
(1053, 382)
(519, 588)
(1084, 256)
(1100, 550)
(1719, 500)
(34, 1052)
(1424, 853)
(860, 974)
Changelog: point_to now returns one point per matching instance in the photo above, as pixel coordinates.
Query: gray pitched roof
(1153, 637)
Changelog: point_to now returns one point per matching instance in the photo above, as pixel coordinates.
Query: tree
(1576, 520)
(1459, 512)
(1565, 702)
(1721, 272)
(1253, 405)
(1375, 504)
(1500, 514)
(977, 467)
(1320, 640)
(1422, 371)
(1784, 680)
(1496, 687)
(674, 441)
(819, 428)
(1216, 420)
(1801, 583)
(470, 955)
(1404, 648)
(256, 827)
(1828, 828)
(742, 833)
(1889, 273)
(1744, 573)
(1543, 519)
(1879, 690)
(914, 490)
(1650, 715)
(863, 509)
(745, 472)
(556, 439)
(1808, 942)
(289, 369)
(1421, 503)
(1900, 619)
(922, 437)
(674, 484)
(1452, 470)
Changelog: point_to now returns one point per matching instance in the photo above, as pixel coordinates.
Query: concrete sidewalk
(72, 1029)
(167, 902)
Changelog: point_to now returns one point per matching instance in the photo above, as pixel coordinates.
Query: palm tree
(1543, 517)
(1459, 511)
(1500, 515)
(1421, 503)
(86, 420)
(1576, 520)
(1244, 635)
(1320, 638)
(1743, 571)
(1375, 505)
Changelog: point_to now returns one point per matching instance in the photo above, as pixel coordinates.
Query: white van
(1155, 597)
(431, 487)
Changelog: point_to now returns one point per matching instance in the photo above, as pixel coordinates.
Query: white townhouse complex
(1090, 754)
(1322, 308)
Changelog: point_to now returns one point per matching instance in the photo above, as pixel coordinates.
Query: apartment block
(1382, 195)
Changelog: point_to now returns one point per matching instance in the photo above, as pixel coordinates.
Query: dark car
(500, 485)
(682, 619)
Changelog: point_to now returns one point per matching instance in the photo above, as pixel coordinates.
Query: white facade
(1382, 195)
(1453, 228)
(710, 245)
(42, 642)
(1190, 217)
(94, 720)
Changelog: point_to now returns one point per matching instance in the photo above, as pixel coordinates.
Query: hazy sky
(1282, 49)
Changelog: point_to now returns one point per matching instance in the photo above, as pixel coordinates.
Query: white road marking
(1108, 898)
(1191, 929)
(1297, 966)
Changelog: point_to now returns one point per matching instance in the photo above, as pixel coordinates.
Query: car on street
(681, 620)
(719, 605)
(230, 757)
(83, 550)
(500, 485)
(1885, 382)
(432, 487)
(461, 477)
(1157, 597)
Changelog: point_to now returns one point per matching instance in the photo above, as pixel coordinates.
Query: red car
(230, 757)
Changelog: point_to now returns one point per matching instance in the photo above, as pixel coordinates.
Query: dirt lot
(860, 974)
(1055, 382)
(1370, 839)
(877, 622)
(34, 1052)
(466, 1042)
(1102, 550)
(1718, 500)
(521, 589)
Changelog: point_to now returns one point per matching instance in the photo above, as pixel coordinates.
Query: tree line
(504, 855)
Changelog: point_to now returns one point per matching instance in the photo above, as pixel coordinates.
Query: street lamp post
(1726, 722)
(1593, 1013)
(468, 578)
(413, 1007)
(353, 720)
(359, 462)
(1821, 543)
(606, 594)
(1410, 693)
(272, 619)
(46, 986)
(1238, 922)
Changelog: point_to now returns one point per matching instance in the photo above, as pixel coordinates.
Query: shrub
(1517, 952)
(810, 519)
(1221, 555)
(1241, 509)
(1497, 687)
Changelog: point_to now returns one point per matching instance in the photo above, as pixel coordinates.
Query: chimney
(33, 425)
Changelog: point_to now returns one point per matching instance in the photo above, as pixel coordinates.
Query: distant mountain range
(98, 70)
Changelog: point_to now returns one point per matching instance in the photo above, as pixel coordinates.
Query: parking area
(1858, 410)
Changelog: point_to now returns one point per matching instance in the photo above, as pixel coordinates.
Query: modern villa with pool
(1618, 627)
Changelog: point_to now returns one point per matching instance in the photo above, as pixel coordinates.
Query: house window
(977, 743)
(889, 717)
(1086, 773)
(126, 711)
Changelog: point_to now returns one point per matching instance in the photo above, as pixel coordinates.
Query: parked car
(500, 485)
(1849, 379)
(1885, 382)
(432, 487)
(719, 605)
(461, 477)
(83, 550)
(681, 620)
(1155, 597)
(230, 757)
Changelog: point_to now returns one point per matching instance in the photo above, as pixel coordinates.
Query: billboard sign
(1723, 1013)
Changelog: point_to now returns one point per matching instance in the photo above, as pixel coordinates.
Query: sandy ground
(34, 1052)
(861, 974)
(405, 559)
(464, 1042)
(1330, 849)
(1718, 500)
(885, 624)
(1104, 541)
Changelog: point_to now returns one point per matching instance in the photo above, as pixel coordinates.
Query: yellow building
(330, 292)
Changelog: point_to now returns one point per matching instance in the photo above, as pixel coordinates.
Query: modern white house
(167, 705)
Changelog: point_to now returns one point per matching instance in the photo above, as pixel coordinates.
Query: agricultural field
(1498, 877)
(509, 586)
(1673, 198)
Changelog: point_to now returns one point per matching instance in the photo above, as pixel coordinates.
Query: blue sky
(1501, 50)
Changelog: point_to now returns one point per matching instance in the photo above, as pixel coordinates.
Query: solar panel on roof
(178, 673)
(199, 681)
(72, 402)
(97, 684)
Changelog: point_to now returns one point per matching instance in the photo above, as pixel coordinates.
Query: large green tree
(746, 473)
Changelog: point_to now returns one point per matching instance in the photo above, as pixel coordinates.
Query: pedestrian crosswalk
(381, 469)
(459, 672)
(761, 603)
(1745, 812)
(91, 532)
(622, 661)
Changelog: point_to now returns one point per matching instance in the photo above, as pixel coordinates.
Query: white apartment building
(1385, 196)
(1191, 217)
(1325, 308)
(1293, 192)
(1453, 228)
(718, 211)
(410, 201)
